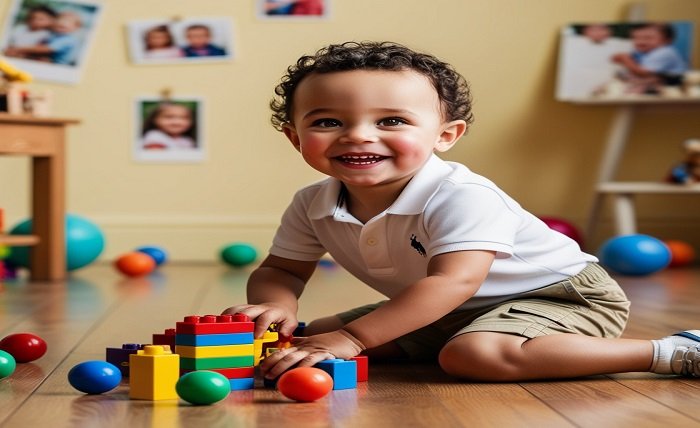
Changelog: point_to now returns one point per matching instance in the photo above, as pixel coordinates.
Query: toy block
(299, 331)
(242, 384)
(167, 338)
(215, 324)
(120, 356)
(344, 373)
(216, 363)
(214, 339)
(235, 373)
(362, 367)
(154, 373)
(269, 338)
(214, 351)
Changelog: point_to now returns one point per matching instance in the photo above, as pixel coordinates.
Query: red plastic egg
(24, 347)
(305, 384)
(135, 264)
(682, 253)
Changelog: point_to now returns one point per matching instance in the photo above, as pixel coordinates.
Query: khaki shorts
(590, 303)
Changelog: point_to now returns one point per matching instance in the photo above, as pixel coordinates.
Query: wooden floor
(97, 308)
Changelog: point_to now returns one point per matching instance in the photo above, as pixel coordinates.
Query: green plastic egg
(203, 387)
(7, 364)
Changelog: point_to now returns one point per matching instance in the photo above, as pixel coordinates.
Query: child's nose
(360, 133)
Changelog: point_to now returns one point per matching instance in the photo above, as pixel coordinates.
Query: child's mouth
(360, 159)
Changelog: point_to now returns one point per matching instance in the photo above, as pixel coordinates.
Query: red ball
(564, 227)
(305, 384)
(682, 254)
(24, 347)
(135, 264)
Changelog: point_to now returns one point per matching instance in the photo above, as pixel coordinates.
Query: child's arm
(452, 279)
(626, 60)
(273, 290)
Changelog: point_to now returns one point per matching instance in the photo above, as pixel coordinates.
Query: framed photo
(50, 39)
(624, 60)
(168, 130)
(293, 9)
(167, 41)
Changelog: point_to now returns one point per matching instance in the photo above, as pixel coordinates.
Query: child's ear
(291, 133)
(452, 131)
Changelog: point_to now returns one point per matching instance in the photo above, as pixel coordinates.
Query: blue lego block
(214, 339)
(242, 383)
(344, 373)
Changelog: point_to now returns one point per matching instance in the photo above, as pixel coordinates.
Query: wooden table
(43, 139)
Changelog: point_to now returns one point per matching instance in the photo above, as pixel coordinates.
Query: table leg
(48, 257)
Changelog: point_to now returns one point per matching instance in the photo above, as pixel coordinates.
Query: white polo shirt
(444, 208)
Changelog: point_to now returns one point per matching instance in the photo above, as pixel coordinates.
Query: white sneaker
(678, 354)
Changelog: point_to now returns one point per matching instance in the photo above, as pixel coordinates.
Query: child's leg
(489, 356)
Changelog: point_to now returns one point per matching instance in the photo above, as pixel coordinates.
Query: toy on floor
(220, 343)
(24, 347)
(84, 242)
(635, 254)
(94, 377)
(120, 356)
(564, 227)
(203, 387)
(135, 264)
(682, 253)
(688, 171)
(165, 338)
(157, 254)
(7, 364)
(238, 254)
(343, 372)
(154, 373)
(305, 384)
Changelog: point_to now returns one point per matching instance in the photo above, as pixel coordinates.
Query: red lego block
(167, 338)
(232, 373)
(362, 367)
(215, 324)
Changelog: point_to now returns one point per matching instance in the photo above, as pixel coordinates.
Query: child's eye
(391, 121)
(326, 123)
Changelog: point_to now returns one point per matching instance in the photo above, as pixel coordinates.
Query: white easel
(622, 192)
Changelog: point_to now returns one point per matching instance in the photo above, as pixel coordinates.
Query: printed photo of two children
(623, 60)
(185, 40)
(49, 39)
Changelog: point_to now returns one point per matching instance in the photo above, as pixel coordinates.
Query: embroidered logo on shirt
(417, 245)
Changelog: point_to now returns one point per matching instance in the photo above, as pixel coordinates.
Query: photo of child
(293, 8)
(159, 43)
(49, 38)
(180, 41)
(623, 59)
(169, 130)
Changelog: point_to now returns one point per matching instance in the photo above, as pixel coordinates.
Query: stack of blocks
(223, 344)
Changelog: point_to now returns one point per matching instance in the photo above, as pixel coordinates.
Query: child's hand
(266, 314)
(307, 351)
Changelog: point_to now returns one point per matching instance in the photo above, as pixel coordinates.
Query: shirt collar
(412, 199)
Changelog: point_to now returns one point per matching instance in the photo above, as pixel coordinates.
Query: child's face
(39, 20)
(198, 37)
(369, 128)
(157, 39)
(648, 38)
(174, 120)
(66, 23)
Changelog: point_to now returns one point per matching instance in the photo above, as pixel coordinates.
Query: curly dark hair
(452, 88)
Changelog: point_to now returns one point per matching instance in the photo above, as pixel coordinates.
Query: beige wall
(543, 152)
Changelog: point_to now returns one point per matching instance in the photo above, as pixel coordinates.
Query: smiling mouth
(360, 159)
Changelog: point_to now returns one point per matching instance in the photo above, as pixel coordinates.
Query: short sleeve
(295, 238)
(472, 217)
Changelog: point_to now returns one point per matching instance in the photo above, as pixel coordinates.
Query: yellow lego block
(154, 371)
(268, 337)
(214, 351)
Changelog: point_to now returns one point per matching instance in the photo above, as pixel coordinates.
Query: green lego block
(216, 363)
